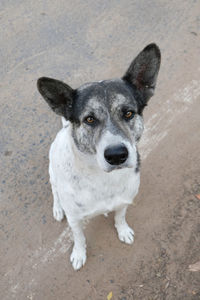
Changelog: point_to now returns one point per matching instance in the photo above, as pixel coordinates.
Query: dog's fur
(94, 161)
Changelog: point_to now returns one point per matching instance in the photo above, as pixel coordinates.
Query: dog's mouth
(109, 168)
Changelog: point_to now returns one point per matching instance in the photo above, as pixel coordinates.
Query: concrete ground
(79, 41)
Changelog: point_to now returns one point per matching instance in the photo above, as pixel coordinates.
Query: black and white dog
(94, 161)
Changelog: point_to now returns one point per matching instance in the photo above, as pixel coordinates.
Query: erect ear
(144, 69)
(58, 95)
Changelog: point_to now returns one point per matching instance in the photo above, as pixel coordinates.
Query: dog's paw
(58, 213)
(125, 234)
(78, 258)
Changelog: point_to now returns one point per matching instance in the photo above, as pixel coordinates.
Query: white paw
(78, 258)
(125, 234)
(58, 212)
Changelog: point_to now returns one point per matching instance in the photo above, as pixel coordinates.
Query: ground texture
(79, 41)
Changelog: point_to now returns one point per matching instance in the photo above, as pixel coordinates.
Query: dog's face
(107, 123)
(106, 116)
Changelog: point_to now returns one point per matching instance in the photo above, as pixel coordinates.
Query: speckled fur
(83, 183)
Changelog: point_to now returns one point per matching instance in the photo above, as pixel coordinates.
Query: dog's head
(106, 116)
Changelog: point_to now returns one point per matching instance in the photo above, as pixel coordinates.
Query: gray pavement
(80, 41)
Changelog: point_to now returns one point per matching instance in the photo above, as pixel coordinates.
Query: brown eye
(128, 115)
(89, 120)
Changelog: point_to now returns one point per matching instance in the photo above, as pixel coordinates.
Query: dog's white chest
(101, 194)
(85, 191)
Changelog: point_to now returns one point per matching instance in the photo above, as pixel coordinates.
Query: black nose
(116, 155)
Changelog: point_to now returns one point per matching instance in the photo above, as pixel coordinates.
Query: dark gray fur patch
(105, 92)
(79, 204)
(137, 169)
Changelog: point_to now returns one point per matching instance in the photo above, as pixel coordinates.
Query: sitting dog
(94, 161)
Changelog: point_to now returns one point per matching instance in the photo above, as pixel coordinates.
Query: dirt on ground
(81, 41)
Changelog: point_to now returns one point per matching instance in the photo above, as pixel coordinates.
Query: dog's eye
(89, 120)
(128, 115)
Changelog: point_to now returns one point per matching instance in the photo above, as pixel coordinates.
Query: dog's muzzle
(116, 155)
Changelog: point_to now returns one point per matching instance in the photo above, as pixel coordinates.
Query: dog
(94, 161)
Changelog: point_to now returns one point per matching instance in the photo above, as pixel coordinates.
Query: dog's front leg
(58, 212)
(125, 233)
(78, 255)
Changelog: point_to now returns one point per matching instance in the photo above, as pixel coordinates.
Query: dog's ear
(58, 95)
(144, 69)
